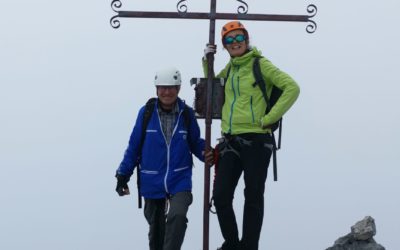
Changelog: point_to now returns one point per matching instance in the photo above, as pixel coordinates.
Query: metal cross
(212, 16)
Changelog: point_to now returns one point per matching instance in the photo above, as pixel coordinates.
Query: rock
(345, 240)
(364, 229)
(360, 238)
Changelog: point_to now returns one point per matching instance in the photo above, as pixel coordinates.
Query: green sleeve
(290, 91)
(221, 74)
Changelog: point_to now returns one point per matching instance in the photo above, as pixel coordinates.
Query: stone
(364, 229)
(360, 238)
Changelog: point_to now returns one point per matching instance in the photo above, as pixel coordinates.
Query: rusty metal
(207, 16)
(243, 7)
(210, 76)
(115, 5)
(212, 16)
(181, 6)
(241, 15)
(312, 26)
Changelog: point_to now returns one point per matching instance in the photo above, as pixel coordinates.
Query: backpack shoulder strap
(187, 120)
(148, 111)
(186, 116)
(260, 81)
(229, 71)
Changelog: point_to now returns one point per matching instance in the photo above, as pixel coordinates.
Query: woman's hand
(210, 48)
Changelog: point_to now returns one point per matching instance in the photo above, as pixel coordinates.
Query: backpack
(275, 94)
(148, 111)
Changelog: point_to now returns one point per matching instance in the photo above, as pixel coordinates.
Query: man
(165, 158)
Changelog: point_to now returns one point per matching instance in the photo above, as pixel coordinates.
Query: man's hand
(122, 185)
(209, 156)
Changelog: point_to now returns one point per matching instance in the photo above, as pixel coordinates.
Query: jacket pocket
(251, 109)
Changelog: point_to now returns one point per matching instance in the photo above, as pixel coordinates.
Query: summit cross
(212, 16)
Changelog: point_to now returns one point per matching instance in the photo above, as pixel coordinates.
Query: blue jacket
(164, 169)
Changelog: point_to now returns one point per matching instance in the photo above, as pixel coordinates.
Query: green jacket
(244, 107)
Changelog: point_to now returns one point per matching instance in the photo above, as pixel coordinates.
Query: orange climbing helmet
(233, 25)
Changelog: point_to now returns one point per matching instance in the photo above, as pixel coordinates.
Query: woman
(247, 141)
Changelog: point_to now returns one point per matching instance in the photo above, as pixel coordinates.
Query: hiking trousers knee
(252, 159)
(167, 221)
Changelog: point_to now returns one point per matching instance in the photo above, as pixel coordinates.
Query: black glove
(122, 185)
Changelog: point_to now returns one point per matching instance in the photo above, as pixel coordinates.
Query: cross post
(212, 16)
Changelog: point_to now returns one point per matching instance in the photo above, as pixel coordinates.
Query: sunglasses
(238, 38)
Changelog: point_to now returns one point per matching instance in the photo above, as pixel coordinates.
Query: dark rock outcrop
(360, 238)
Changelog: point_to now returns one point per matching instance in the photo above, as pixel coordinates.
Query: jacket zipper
(168, 147)
(251, 108)
(238, 85)
(233, 103)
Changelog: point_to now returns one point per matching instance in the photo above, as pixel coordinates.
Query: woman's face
(236, 48)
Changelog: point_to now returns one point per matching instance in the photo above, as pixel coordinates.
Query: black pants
(167, 221)
(252, 159)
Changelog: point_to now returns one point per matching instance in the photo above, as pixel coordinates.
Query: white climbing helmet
(168, 77)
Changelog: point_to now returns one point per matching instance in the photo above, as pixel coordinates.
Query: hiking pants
(252, 159)
(167, 221)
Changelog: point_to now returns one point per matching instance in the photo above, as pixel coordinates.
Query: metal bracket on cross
(242, 14)
(212, 16)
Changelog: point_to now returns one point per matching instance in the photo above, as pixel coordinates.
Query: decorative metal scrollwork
(244, 8)
(181, 6)
(312, 26)
(115, 5)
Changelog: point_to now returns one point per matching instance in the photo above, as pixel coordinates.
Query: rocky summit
(360, 238)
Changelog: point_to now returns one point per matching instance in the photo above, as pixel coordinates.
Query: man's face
(167, 95)
(236, 48)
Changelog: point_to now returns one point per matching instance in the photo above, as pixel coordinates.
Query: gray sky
(71, 86)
